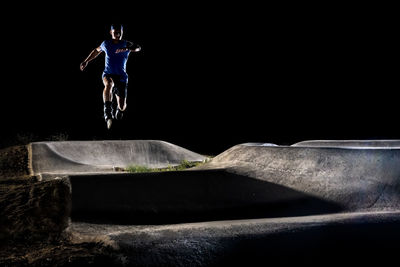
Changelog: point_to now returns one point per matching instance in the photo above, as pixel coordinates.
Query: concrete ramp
(246, 181)
(390, 143)
(254, 201)
(353, 178)
(69, 157)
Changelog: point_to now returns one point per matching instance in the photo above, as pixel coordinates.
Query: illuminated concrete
(313, 202)
(104, 156)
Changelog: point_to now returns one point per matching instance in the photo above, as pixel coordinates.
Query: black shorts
(120, 87)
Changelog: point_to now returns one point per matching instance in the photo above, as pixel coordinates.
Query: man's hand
(83, 65)
(95, 52)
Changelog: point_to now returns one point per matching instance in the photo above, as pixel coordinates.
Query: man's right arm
(97, 51)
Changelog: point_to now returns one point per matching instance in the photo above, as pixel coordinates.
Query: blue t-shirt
(115, 63)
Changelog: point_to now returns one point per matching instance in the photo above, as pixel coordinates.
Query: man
(115, 78)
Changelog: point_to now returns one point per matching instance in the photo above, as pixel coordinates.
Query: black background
(208, 77)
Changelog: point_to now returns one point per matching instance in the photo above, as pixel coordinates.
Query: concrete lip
(387, 143)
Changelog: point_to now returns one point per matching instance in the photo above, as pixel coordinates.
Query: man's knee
(122, 105)
(108, 87)
(108, 83)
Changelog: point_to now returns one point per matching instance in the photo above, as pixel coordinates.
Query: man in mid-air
(115, 78)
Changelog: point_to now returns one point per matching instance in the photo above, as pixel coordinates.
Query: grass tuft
(182, 166)
(137, 169)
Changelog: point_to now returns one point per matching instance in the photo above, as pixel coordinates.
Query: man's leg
(121, 96)
(107, 99)
(121, 107)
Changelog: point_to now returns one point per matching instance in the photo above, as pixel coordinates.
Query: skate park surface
(251, 204)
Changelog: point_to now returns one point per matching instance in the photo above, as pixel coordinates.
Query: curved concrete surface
(101, 156)
(280, 186)
(351, 143)
(247, 182)
(313, 240)
(244, 181)
(352, 178)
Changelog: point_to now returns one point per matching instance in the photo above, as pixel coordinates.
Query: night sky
(208, 77)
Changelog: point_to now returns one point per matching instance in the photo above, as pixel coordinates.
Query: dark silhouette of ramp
(184, 196)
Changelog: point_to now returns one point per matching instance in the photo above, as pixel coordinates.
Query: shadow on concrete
(325, 245)
(186, 196)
